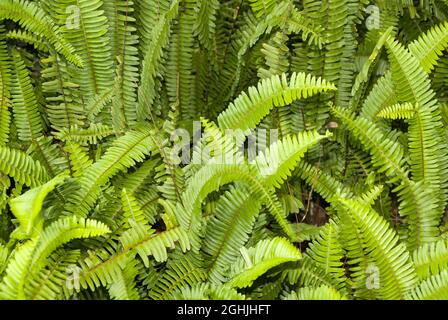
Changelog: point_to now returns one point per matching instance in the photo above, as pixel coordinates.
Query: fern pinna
(208, 149)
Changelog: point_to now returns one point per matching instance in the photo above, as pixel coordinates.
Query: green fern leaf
(257, 260)
(249, 109)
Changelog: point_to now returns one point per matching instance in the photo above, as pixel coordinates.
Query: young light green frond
(433, 288)
(276, 164)
(146, 243)
(85, 136)
(318, 293)
(262, 7)
(431, 258)
(63, 231)
(398, 111)
(257, 260)
(5, 84)
(249, 109)
(207, 291)
(11, 286)
(430, 46)
(21, 167)
(27, 207)
(124, 286)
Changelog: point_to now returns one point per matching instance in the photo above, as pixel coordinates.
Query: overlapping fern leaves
(108, 189)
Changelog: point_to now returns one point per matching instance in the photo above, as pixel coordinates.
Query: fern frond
(433, 288)
(159, 40)
(132, 211)
(64, 103)
(85, 26)
(276, 164)
(85, 136)
(431, 258)
(205, 26)
(33, 18)
(124, 152)
(79, 159)
(28, 37)
(26, 112)
(381, 96)
(50, 155)
(327, 253)
(249, 109)
(98, 102)
(124, 286)
(262, 7)
(318, 293)
(425, 144)
(11, 286)
(255, 261)
(430, 46)
(324, 183)
(27, 207)
(387, 155)
(21, 167)
(398, 111)
(5, 84)
(368, 236)
(63, 231)
(228, 231)
(48, 284)
(148, 244)
(206, 291)
(182, 270)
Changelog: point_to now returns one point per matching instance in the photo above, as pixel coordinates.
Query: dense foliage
(109, 189)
